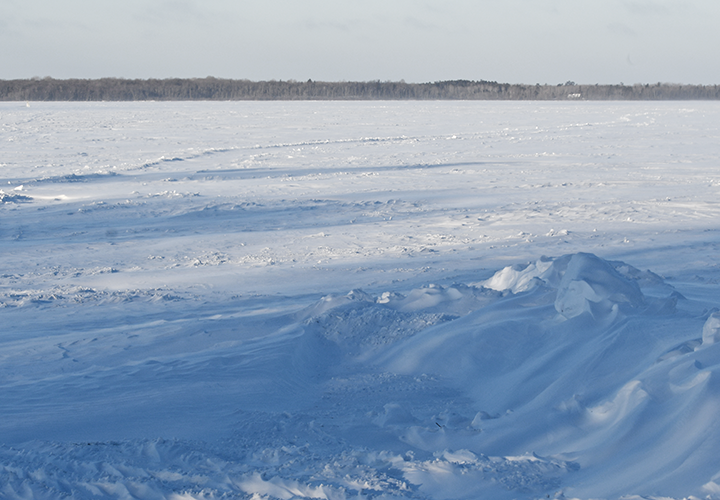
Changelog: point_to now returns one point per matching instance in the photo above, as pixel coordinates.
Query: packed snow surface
(431, 300)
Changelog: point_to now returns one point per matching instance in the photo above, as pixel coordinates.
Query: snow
(336, 300)
(711, 329)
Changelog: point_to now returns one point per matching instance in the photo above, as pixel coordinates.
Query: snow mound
(584, 282)
(590, 284)
(570, 363)
(358, 322)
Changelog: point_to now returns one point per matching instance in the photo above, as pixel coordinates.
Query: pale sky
(513, 41)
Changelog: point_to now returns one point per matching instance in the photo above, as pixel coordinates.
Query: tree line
(180, 89)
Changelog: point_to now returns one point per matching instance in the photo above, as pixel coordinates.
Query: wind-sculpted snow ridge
(542, 381)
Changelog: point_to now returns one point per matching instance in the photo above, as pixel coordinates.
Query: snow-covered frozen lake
(337, 300)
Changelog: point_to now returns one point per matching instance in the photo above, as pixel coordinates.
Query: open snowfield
(378, 300)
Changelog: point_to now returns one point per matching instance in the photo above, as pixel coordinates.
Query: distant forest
(217, 89)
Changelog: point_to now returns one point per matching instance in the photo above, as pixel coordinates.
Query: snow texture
(334, 300)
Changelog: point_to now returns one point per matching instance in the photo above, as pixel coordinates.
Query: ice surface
(359, 300)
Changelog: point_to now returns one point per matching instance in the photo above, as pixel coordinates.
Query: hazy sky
(515, 41)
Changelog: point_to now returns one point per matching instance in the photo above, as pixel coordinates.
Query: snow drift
(545, 379)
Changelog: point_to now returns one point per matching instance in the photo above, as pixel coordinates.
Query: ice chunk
(518, 278)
